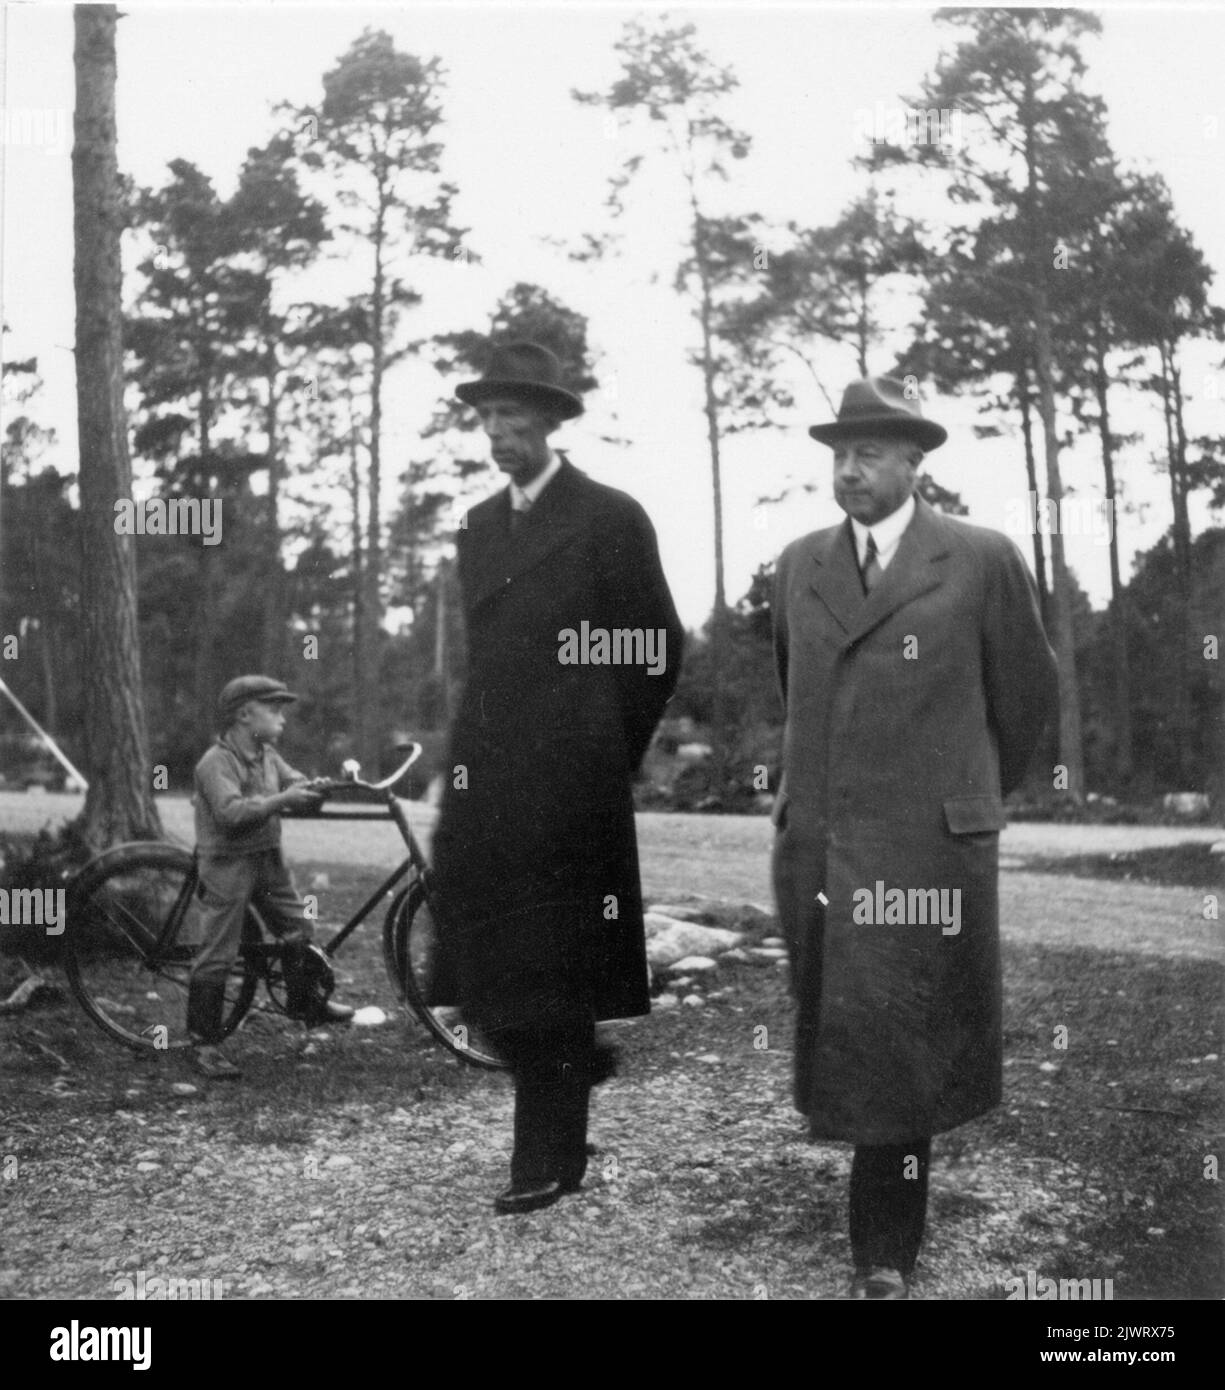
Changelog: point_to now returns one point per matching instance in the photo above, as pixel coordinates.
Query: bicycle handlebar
(338, 786)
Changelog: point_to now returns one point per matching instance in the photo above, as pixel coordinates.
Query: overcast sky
(197, 82)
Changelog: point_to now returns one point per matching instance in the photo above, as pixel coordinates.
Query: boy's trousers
(227, 885)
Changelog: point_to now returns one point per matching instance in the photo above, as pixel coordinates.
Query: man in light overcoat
(917, 681)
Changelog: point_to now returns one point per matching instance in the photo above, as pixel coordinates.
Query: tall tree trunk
(718, 625)
(368, 694)
(1031, 473)
(1187, 732)
(360, 673)
(119, 804)
(1071, 753)
(1175, 769)
(443, 712)
(51, 717)
(274, 579)
(205, 678)
(1124, 761)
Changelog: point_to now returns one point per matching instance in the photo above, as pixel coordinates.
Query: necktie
(871, 566)
(518, 514)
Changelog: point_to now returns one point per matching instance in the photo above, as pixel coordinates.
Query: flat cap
(243, 688)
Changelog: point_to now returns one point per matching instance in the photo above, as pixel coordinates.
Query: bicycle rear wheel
(128, 980)
(411, 952)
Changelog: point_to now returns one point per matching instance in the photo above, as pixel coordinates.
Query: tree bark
(119, 804)
(1071, 752)
(718, 624)
(367, 696)
(1124, 761)
(1031, 473)
(274, 581)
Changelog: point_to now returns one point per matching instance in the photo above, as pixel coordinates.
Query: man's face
(873, 476)
(518, 437)
(264, 721)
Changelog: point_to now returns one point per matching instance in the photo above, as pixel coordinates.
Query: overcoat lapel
(915, 569)
(835, 576)
(495, 557)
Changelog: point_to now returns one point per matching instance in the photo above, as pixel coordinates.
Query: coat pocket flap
(969, 815)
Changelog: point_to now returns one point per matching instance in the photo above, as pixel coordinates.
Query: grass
(361, 1164)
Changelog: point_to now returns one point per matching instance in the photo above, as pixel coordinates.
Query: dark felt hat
(243, 688)
(880, 405)
(524, 371)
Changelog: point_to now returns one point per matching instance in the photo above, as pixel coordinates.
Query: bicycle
(127, 956)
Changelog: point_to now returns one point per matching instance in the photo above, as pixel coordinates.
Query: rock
(666, 1001)
(369, 1017)
(693, 1001)
(710, 1057)
(148, 1167)
(675, 940)
(767, 954)
(680, 912)
(185, 1088)
(1186, 803)
(339, 1161)
(773, 941)
(692, 752)
(1217, 848)
(694, 965)
(736, 957)
(148, 1156)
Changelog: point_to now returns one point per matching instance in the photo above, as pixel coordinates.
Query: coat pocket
(974, 815)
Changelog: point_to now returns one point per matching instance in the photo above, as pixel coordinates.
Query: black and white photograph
(611, 675)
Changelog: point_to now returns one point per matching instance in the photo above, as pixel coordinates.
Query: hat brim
(925, 433)
(563, 404)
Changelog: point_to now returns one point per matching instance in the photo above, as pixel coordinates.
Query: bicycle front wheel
(131, 937)
(411, 949)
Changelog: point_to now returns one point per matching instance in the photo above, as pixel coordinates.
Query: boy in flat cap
(241, 786)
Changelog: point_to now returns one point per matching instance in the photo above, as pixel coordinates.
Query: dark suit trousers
(552, 1072)
(888, 1208)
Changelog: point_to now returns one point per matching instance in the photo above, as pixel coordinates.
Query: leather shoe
(327, 1013)
(209, 1060)
(878, 1284)
(515, 1201)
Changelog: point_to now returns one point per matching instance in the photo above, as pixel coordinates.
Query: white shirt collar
(532, 491)
(886, 533)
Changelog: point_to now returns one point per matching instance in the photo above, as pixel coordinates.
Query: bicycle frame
(380, 795)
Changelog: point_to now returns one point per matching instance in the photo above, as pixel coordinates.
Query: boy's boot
(205, 1006)
(302, 999)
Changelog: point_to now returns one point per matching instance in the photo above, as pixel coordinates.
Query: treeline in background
(1058, 282)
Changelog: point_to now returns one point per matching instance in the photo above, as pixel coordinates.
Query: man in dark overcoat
(917, 681)
(574, 648)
